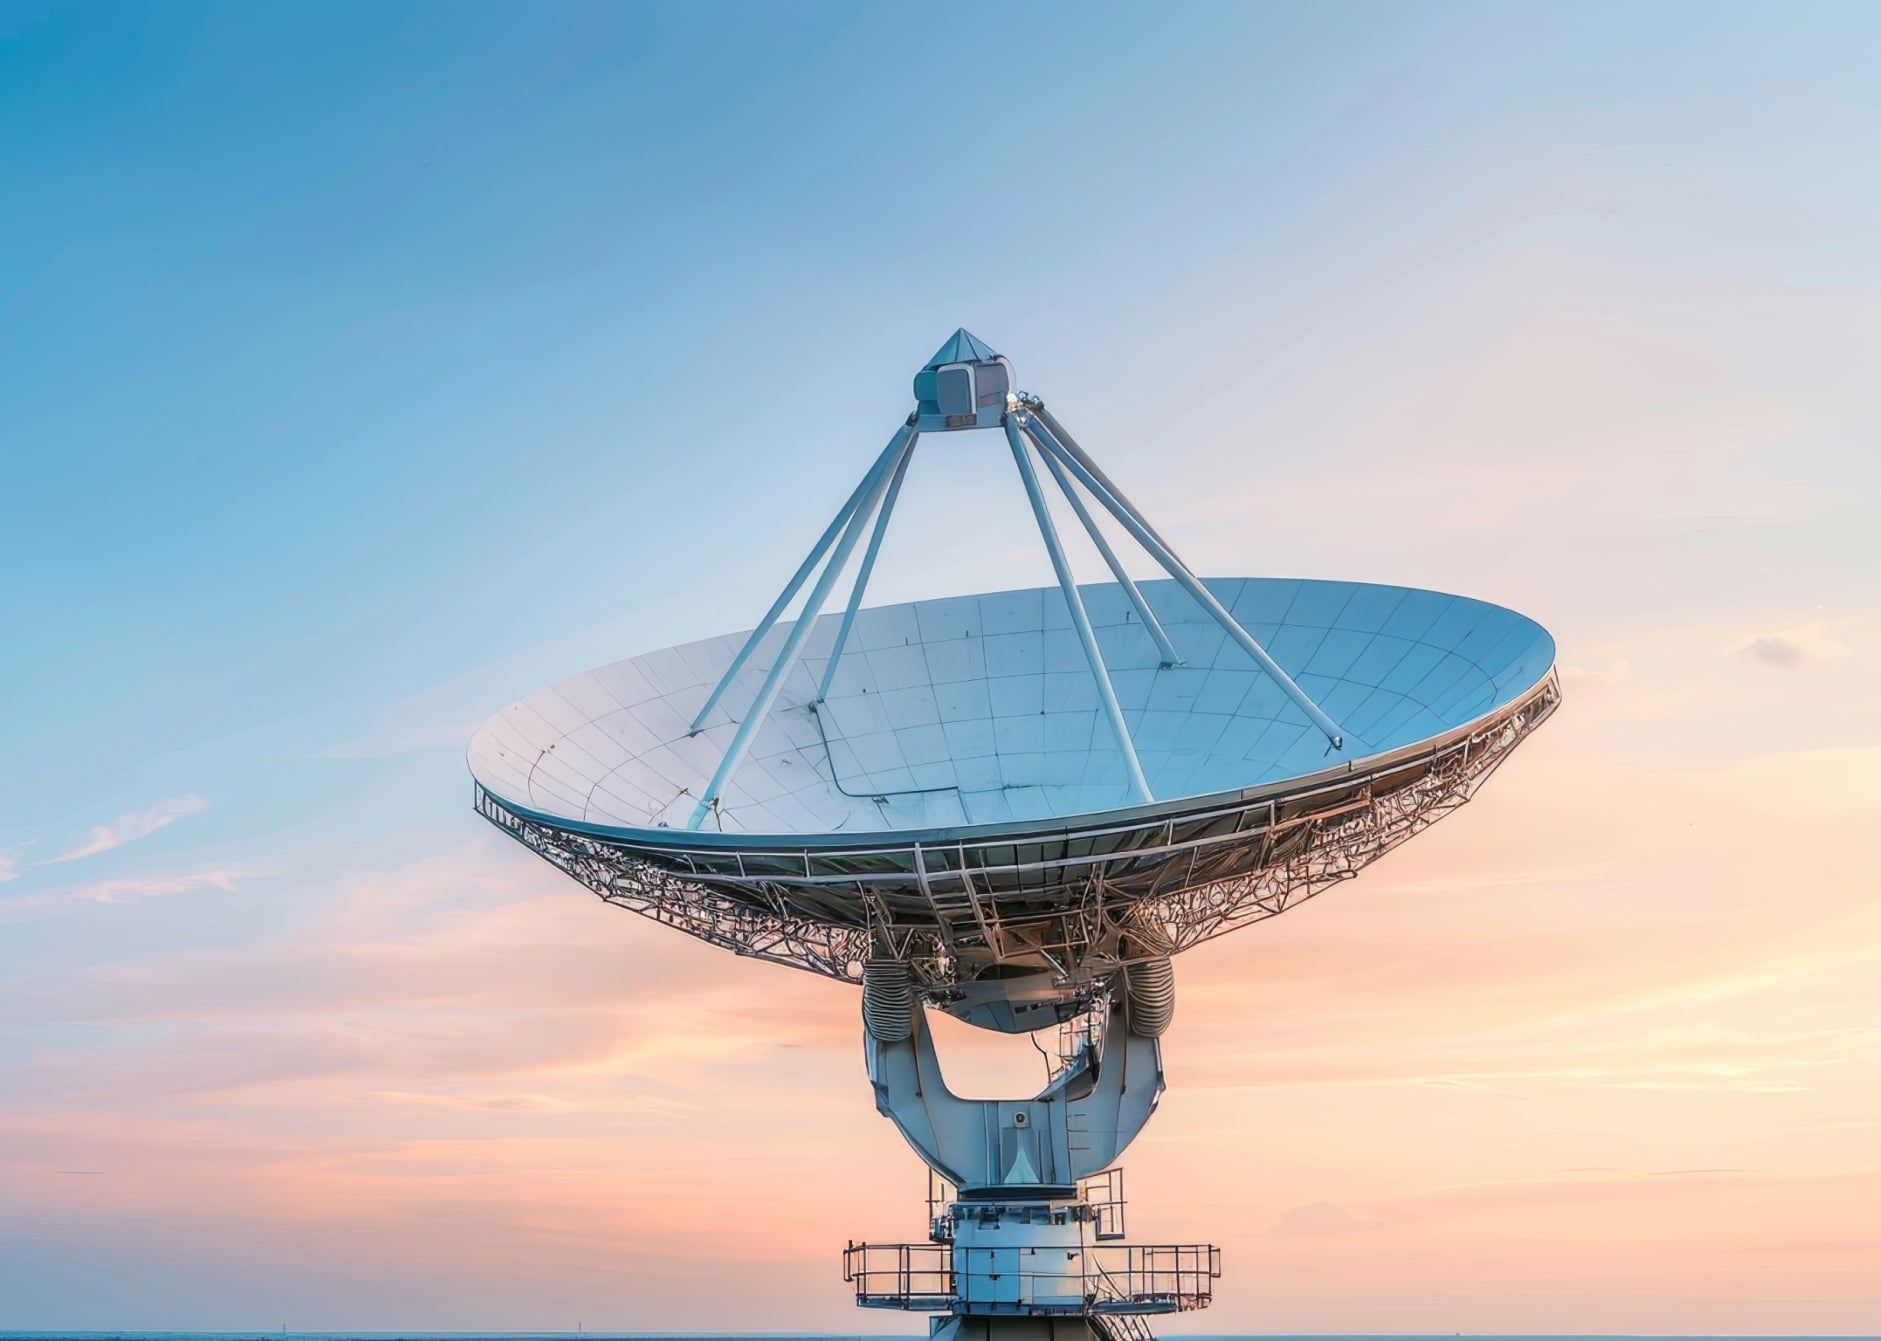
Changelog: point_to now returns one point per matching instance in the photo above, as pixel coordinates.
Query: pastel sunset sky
(363, 368)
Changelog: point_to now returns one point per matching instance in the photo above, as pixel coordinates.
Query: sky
(365, 367)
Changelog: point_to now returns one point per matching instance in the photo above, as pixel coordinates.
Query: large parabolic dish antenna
(1016, 807)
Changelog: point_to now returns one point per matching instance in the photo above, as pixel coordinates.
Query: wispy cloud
(124, 889)
(137, 824)
(144, 887)
(9, 866)
(1790, 648)
(1605, 677)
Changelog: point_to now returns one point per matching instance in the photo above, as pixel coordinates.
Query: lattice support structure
(1087, 901)
(644, 887)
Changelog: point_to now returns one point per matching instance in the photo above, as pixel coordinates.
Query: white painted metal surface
(981, 710)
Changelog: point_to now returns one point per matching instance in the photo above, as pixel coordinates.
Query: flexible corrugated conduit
(1150, 990)
(888, 1000)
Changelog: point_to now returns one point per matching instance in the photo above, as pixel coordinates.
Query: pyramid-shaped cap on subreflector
(963, 346)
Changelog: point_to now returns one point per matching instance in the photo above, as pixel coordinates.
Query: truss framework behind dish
(1062, 898)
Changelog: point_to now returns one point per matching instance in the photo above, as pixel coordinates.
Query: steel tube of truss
(1159, 551)
(889, 454)
(1164, 647)
(800, 631)
(1069, 445)
(868, 566)
(1079, 619)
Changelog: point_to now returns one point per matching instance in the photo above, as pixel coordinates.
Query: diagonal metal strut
(873, 487)
(868, 567)
(1029, 427)
(902, 438)
(1125, 513)
(1164, 648)
(1079, 619)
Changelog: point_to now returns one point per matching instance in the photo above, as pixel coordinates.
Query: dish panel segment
(981, 711)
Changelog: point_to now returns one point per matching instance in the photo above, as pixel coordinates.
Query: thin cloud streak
(147, 887)
(130, 827)
(129, 889)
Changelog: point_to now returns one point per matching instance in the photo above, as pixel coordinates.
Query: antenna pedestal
(1025, 1201)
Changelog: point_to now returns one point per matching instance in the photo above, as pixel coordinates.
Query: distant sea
(277, 1335)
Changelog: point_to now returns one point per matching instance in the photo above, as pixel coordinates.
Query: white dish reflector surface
(981, 710)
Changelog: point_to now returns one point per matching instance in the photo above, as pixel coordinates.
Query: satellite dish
(1015, 807)
(977, 714)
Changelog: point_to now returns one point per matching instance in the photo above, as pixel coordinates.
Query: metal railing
(1103, 1193)
(1115, 1278)
(941, 1195)
(901, 1275)
(1122, 1327)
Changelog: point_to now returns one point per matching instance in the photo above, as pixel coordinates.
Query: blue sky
(348, 349)
(364, 367)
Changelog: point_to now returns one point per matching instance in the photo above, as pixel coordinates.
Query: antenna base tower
(1026, 1247)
